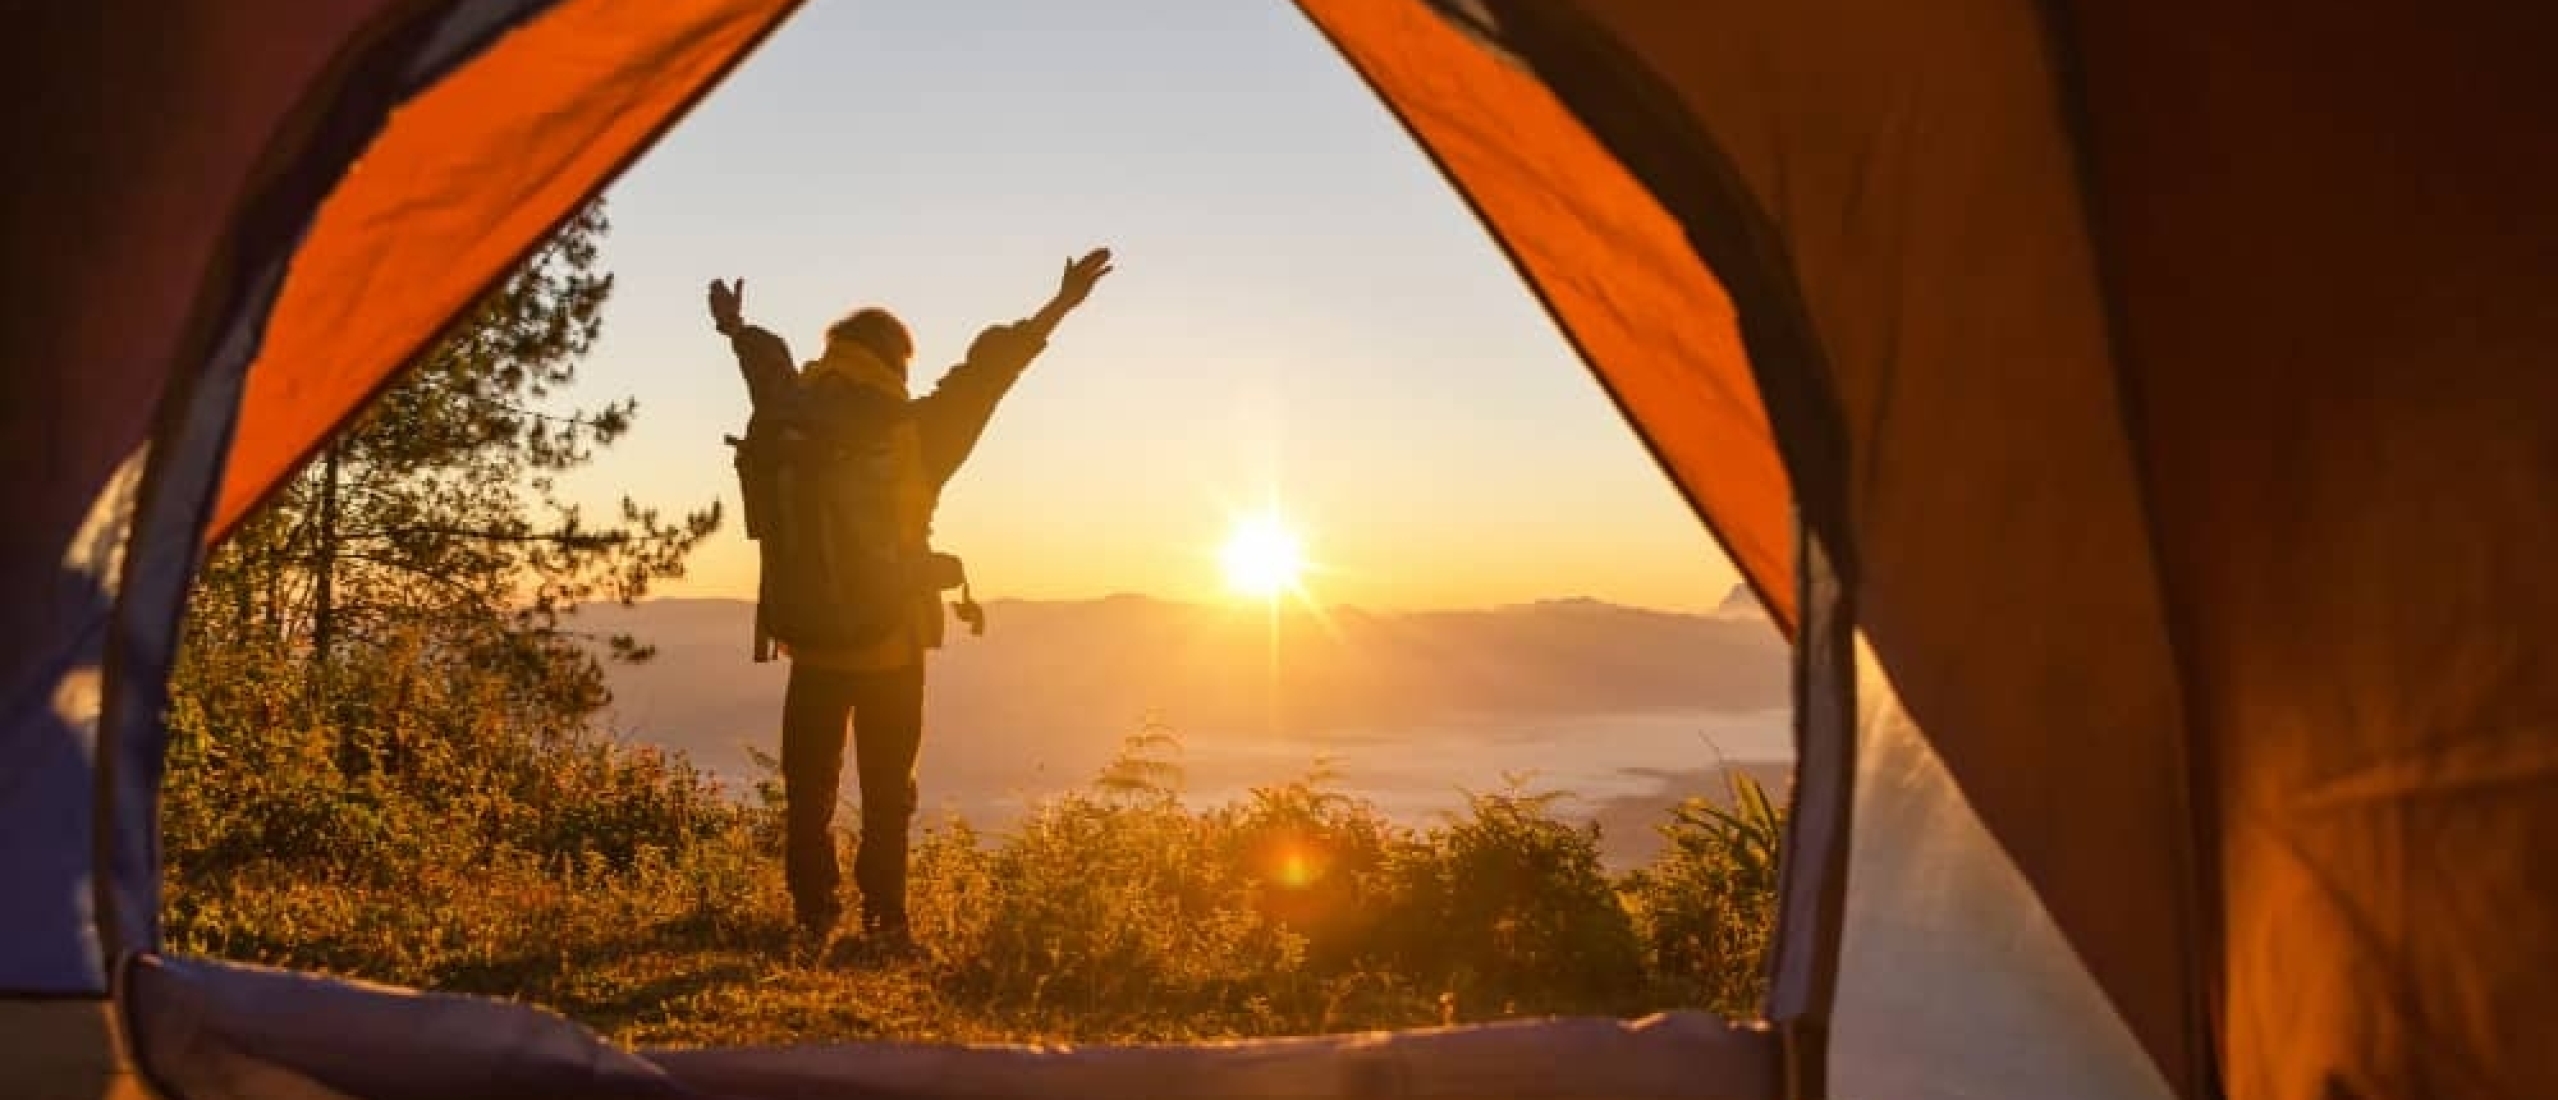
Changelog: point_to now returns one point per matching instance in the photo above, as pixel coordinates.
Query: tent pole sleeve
(1812, 874)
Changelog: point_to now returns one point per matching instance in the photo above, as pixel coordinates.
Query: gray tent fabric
(209, 1031)
(214, 1031)
(1676, 1056)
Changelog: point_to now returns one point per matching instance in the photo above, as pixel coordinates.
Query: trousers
(886, 713)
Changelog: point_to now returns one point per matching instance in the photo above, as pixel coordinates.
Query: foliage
(439, 872)
(1147, 768)
(1508, 905)
(619, 885)
(431, 528)
(1704, 905)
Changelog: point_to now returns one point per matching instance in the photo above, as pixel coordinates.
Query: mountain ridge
(1412, 703)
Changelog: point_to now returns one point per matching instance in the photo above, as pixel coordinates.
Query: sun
(1262, 557)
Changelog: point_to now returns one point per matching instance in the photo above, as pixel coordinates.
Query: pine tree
(433, 522)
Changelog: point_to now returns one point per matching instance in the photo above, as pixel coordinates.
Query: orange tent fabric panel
(1614, 270)
(1920, 166)
(467, 179)
(2333, 238)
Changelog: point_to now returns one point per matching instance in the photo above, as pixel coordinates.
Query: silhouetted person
(852, 471)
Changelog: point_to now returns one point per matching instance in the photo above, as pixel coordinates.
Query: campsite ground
(615, 886)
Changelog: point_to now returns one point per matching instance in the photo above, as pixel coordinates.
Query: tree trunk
(244, 606)
(324, 561)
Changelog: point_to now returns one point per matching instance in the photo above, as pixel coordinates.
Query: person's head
(877, 331)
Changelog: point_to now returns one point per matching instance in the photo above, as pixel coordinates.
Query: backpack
(819, 488)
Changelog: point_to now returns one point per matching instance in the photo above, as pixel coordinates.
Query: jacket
(849, 408)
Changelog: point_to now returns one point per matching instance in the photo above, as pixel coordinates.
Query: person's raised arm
(1072, 288)
(761, 356)
(955, 413)
(1000, 353)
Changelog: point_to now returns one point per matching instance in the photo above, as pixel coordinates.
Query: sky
(1303, 313)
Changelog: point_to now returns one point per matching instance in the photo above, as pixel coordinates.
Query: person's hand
(728, 306)
(1080, 277)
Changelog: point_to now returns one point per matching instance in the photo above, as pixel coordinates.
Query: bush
(1123, 909)
(1507, 906)
(474, 840)
(1319, 861)
(1707, 904)
(462, 835)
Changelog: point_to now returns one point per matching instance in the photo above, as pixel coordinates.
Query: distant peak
(1740, 601)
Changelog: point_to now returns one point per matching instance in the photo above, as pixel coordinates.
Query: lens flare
(1296, 872)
